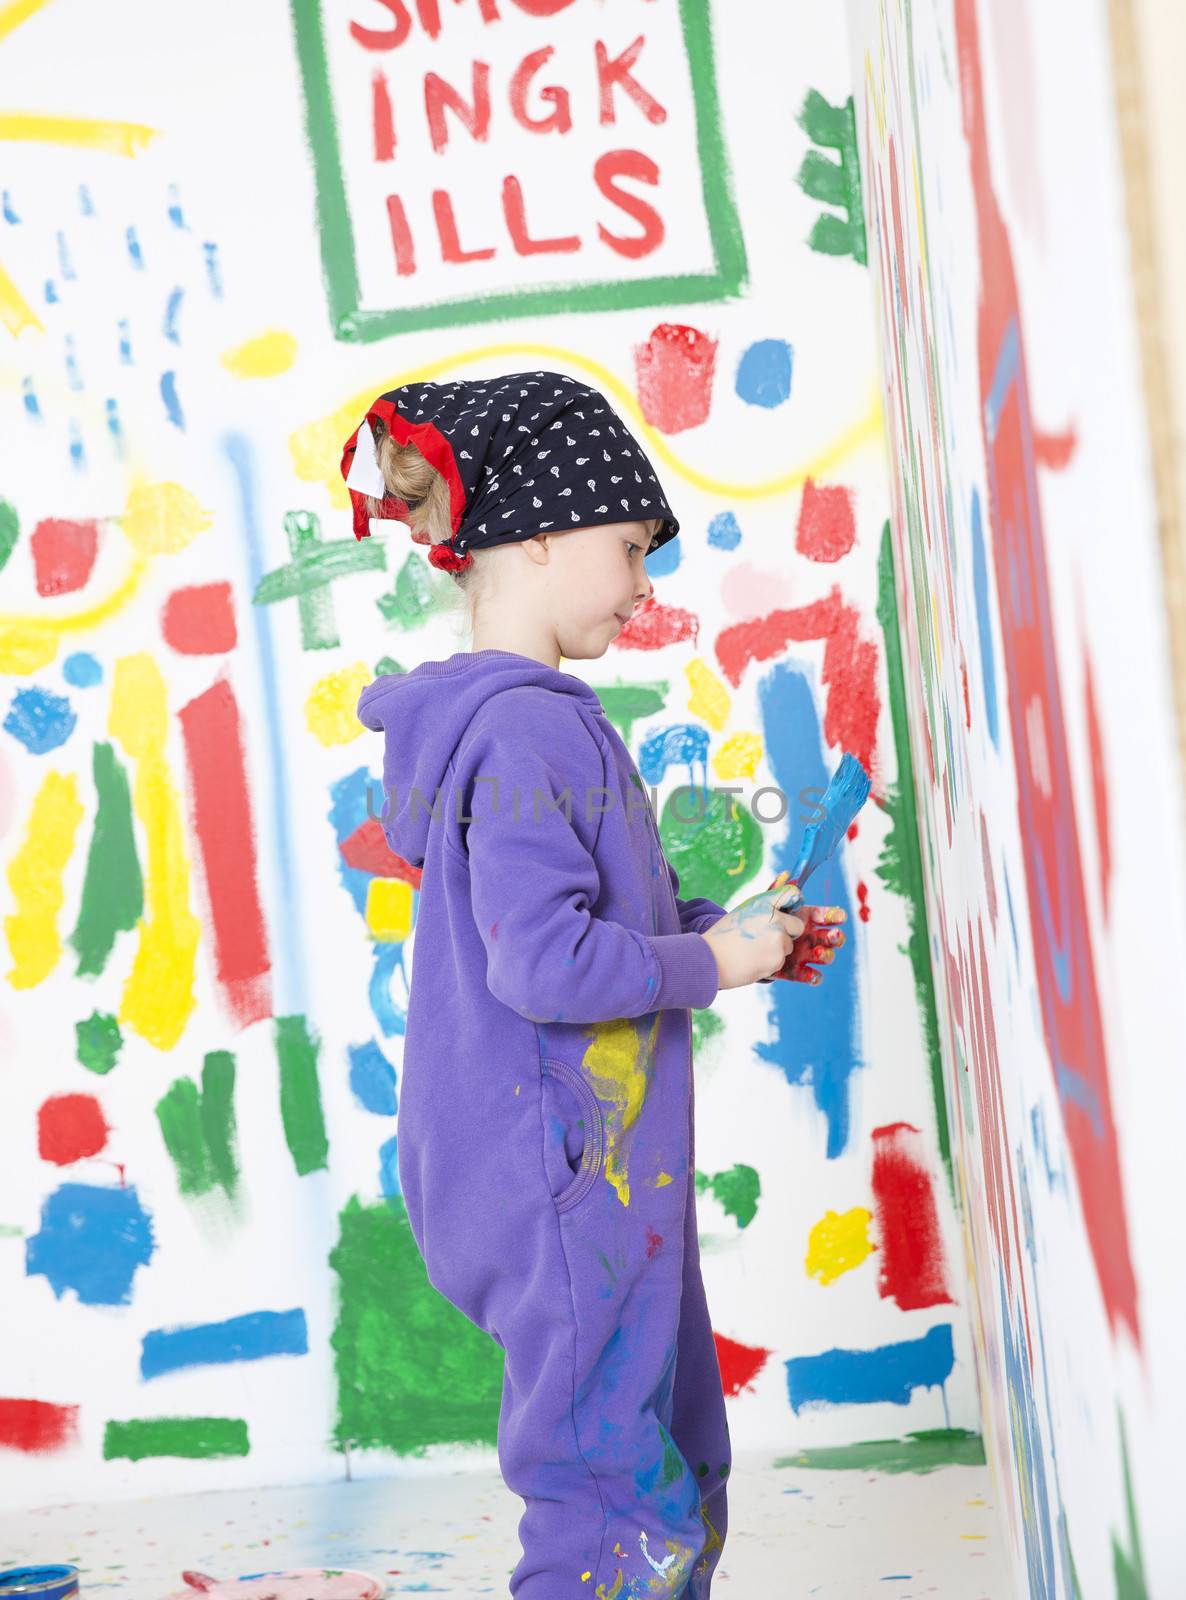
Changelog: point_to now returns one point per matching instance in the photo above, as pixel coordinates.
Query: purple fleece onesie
(546, 1149)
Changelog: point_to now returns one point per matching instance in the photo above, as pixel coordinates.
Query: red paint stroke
(657, 625)
(673, 375)
(70, 1127)
(826, 529)
(863, 898)
(63, 554)
(910, 1246)
(852, 830)
(739, 1363)
(850, 666)
(964, 681)
(221, 815)
(1099, 784)
(382, 120)
(1055, 451)
(367, 850)
(37, 1426)
(990, 882)
(200, 620)
(1072, 1019)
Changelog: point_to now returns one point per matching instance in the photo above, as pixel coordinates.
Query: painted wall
(1043, 735)
(215, 251)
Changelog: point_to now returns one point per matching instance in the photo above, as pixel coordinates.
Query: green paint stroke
(706, 1025)
(311, 573)
(386, 665)
(113, 889)
(737, 1190)
(196, 1438)
(10, 529)
(714, 844)
(834, 182)
(917, 1452)
(625, 703)
(300, 1095)
(1128, 1566)
(97, 1042)
(900, 866)
(419, 593)
(199, 1128)
(412, 1371)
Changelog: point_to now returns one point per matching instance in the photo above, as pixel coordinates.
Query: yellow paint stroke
(158, 518)
(838, 1243)
(330, 707)
(317, 447)
(15, 311)
(159, 994)
(35, 878)
(739, 756)
(80, 133)
(389, 909)
(265, 356)
(709, 699)
(16, 12)
(618, 1065)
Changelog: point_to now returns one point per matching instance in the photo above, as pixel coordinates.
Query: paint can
(39, 1583)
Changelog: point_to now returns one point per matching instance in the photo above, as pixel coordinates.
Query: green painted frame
(351, 324)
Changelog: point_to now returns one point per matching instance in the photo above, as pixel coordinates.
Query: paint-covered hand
(818, 943)
(756, 938)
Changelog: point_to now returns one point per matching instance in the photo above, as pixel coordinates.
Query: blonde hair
(415, 481)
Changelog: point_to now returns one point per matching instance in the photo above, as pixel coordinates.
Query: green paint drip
(900, 866)
(917, 1452)
(834, 182)
(196, 1438)
(420, 593)
(737, 1190)
(1128, 1566)
(113, 889)
(300, 1095)
(179, 1113)
(716, 854)
(218, 1119)
(10, 529)
(98, 1041)
(625, 704)
(412, 1371)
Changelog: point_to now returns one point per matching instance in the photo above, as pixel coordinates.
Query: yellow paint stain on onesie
(159, 994)
(614, 1589)
(663, 1180)
(838, 1243)
(709, 699)
(35, 878)
(618, 1064)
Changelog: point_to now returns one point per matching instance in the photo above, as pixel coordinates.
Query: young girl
(546, 1151)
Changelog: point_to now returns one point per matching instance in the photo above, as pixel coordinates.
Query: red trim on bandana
(435, 449)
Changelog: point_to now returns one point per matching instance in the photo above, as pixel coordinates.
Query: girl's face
(601, 580)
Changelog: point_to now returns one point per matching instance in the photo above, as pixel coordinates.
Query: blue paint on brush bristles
(842, 800)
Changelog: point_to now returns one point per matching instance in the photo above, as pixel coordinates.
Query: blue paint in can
(40, 1583)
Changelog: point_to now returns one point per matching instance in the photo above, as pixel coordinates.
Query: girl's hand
(757, 938)
(818, 942)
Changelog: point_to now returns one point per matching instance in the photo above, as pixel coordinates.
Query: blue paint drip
(81, 670)
(889, 1372)
(115, 429)
(171, 310)
(815, 1039)
(51, 294)
(29, 395)
(169, 396)
(77, 448)
(988, 668)
(213, 275)
(134, 250)
(85, 204)
(372, 1079)
(7, 208)
(764, 373)
(391, 1019)
(251, 1337)
(125, 342)
(175, 216)
(40, 719)
(723, 531)
(72, 373)
(91, 1240)
(289, 970)
(65, 265)
(389, 1170)
(684, 743)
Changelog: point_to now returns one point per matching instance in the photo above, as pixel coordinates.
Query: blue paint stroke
(213, 275)
(65, 265)
(889, 1372)
(665, 560)
(289, 969)
(6, 206)
(764, 373)
(91, 1240)
(348, 811)
(77, 448)
(40, 719)
(115, 428)
(372, 1079)
(175, 216)
(682, 744)
(252, 1337)
(72, 373)
(1003, 380)
(85, 204)
(389, 1170)
(169, 396)
(81, 670)
(815, 1034)
(391, 1019)
(171, 310)
(51, 294)
(29, 395)
(125, 342)
(723, 531)
(988, 665)
(134, 250)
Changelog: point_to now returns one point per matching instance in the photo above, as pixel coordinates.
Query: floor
(794, 1532)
